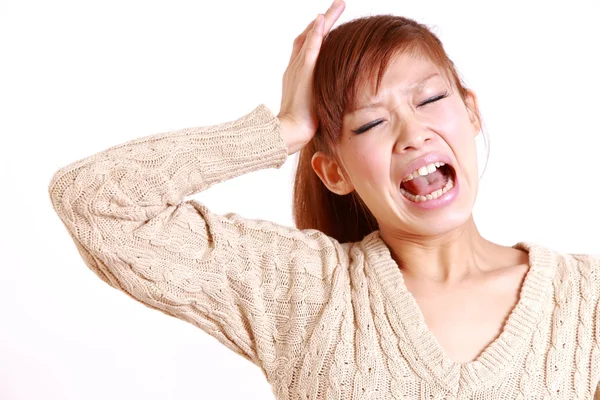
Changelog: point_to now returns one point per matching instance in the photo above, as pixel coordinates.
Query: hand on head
(296, 115)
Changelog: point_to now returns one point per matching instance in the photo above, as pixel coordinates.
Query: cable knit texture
(322, 319)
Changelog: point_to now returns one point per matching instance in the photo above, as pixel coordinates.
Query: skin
(465, 285)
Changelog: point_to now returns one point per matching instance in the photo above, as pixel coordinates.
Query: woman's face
(416, 119)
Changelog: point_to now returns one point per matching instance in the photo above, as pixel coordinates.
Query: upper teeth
(425, 170)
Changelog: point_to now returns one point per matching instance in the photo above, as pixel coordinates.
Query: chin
(439, 218)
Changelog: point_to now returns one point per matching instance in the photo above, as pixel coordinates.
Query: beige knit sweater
(322, 319)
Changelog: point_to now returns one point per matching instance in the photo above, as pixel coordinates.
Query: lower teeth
(431, 196)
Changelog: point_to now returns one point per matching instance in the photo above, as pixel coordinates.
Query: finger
(307, 29)
(333, 13)
(300, 39)
(331, 16)
(313, 41)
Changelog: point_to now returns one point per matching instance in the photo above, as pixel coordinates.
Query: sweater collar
(422, 349)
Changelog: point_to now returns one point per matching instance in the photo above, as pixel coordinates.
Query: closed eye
(368, 126)
(434, 99)
(373, 124)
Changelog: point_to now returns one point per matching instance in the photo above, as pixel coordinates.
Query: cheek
(453, 121)
(368, 164)
(453, 124)
(459, 133)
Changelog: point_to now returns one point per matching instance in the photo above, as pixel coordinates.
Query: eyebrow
(413, 87)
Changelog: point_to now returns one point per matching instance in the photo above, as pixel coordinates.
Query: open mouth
(429, 182)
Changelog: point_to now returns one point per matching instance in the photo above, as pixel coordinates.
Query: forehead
(410, 72)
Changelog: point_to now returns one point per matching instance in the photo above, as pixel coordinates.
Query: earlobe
(331, 174)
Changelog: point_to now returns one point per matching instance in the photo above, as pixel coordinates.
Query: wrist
(290, 134)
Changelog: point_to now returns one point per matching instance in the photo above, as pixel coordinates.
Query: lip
(424, 160)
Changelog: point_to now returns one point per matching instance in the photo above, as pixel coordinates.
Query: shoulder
(582, 270)
(569, 283)
(588, 266)
(571, 269)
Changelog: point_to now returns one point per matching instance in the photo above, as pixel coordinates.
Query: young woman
(386, 290)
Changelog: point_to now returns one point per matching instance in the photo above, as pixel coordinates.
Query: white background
(77, 77)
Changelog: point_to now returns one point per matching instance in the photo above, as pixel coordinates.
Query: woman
(386, 289)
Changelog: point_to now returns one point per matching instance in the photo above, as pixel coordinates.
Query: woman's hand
(296, 116)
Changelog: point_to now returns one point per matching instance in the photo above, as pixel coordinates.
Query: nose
(412, 135)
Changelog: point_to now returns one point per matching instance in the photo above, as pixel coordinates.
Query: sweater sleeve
(596, 360)
(254, 285)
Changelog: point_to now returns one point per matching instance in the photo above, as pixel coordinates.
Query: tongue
(424, 185)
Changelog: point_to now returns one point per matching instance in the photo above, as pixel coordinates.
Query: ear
(473, 110)
(331, 174)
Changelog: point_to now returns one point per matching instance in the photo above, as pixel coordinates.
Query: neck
(452, 257)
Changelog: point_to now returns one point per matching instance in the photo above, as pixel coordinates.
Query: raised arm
(256, 286)
(125, 210)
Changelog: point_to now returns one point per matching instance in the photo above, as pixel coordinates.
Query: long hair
(352, 55)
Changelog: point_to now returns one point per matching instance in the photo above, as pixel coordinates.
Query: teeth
(425, 170)
(431, 196)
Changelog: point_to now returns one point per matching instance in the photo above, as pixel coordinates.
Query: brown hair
(349, 57)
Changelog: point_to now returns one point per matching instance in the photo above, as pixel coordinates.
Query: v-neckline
(424, 352)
